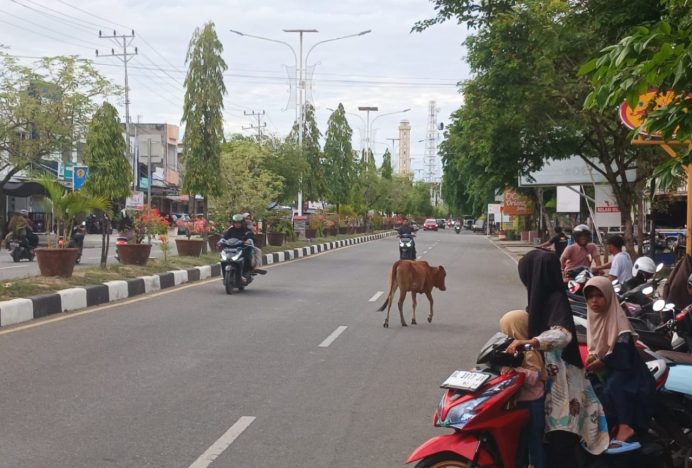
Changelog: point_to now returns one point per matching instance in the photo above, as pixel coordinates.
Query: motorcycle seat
(675, 356)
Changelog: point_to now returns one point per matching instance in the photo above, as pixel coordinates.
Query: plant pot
(331, 231)
(134, 254)
(310, 233)
(260, 240)
(213, 239)
(275, 238)
(343, 230)
(56, 262)
(189, 247)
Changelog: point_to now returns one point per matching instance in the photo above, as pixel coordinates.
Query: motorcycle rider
(405, 230)
(580, 254)
(642, 271)
(239, 230)
(620, 267)
(21, 227)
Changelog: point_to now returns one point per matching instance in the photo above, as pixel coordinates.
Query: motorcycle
(20, 249)
(233, 255)
(407, 247)
(479, 406)
(457, 228)
(120, 240)
(77, 241)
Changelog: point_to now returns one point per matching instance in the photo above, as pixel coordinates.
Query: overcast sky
(390, 68)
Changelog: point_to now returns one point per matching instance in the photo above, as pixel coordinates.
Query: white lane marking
(17, 266)
(223, 442)
(376, 296)
(335, 334)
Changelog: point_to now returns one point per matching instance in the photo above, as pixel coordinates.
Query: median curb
(21, 310)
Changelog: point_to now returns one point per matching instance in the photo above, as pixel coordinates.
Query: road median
(93, 286)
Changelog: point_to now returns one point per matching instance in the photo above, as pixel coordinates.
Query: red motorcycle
(479, 406)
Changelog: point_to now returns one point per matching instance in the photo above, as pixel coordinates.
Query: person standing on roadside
(580, 254)
(559, 241)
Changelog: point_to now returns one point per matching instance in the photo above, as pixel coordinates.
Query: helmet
(24, 212)
(237, 218)
(644, 264)
(581, 229)
(689, 281)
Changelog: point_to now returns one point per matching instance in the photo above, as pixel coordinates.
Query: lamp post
(369, 124)
(300, 82)
(362, 120)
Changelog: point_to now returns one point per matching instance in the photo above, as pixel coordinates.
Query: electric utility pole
(124, 41)
(259, 125)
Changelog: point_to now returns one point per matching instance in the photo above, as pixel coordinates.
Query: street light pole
(369, 125)
(367, 110)
(300, 82)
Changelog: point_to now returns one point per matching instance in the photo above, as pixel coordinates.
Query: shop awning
(23, 189)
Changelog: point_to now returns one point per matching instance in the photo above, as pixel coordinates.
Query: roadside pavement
(515, 249)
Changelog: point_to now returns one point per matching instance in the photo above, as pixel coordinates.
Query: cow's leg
(430, 299)
(402, 296)
(389, 305)
(415, 303)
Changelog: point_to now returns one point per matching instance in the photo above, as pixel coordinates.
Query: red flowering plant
(148, 223)
(197, 226)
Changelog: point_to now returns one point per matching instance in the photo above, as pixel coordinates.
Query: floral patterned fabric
(571, 404)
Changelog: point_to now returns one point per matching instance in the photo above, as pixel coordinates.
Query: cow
(418, 277)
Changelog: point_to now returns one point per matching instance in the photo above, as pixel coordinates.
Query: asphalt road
(266, 378)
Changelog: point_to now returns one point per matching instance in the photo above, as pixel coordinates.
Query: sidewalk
(516, 249)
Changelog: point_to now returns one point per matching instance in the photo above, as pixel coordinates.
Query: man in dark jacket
(405, 230)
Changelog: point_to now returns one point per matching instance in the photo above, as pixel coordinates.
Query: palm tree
(68, 205)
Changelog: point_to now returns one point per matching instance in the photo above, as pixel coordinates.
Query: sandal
(619, 446)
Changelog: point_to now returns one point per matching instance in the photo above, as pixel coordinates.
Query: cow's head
(439, 274)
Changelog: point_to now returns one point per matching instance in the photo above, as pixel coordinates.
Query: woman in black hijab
(572, 410)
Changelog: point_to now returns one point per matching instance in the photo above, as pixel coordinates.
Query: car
(478, 226)
(430, 225)
(441, 223)
(414, 226)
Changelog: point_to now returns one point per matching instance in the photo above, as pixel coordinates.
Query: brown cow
(418, 277)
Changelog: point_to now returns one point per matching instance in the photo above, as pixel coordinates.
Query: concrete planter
(56, 262)
(213, 239)
(134, 254)
(189, 247)
(276, 238)
(310, 233)
(260, 240)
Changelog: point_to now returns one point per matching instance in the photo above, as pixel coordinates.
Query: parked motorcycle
(479, 406)
(407, 247)
(20, 249)
(233, 255)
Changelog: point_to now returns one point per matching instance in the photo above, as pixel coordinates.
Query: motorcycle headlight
(461, 414)
(401, 244)
(237, 257)
(224, 256)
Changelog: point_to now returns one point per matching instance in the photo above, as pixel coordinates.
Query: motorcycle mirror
(659, 267)
(617, 288)
(659, 305)
(647, 291)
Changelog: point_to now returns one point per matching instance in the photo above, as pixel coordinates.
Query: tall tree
(313, 179)
(45, 110)
(386, 168)
(338, 155)
(202, 115)
(110, 175)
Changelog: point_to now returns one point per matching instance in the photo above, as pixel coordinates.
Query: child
(626, 386)
(515, 324)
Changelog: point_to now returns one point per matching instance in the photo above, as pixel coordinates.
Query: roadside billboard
(515, 204)
(571, 171)
(607, 211)
(568, 199)
(135, 201)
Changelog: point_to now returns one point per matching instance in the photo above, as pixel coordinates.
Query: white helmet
(644, 264)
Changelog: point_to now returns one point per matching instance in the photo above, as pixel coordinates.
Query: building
(160, 143)
(404, 148)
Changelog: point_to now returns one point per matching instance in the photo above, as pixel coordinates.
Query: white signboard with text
(607, 211)
(135, 201)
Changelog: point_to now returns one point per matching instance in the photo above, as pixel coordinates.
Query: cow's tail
(392, 286)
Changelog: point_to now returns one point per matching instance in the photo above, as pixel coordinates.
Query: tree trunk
(204, 231)
(105, 241)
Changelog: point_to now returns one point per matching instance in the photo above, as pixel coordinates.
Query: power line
(23, 28)
(63, 20)
(259, 125)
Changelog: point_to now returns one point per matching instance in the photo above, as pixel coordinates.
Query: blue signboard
(144, 182)
(79, 176)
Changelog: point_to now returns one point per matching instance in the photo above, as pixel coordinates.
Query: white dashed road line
(376, 296)
(212, 453)
(335, 334)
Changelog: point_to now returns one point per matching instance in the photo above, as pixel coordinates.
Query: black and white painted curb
(22, 310)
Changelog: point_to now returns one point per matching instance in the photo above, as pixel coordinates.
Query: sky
(390, 68)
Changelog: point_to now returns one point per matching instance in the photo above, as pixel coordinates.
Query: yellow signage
(634, 118)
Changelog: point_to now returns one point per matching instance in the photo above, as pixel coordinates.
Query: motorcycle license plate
(465, 380)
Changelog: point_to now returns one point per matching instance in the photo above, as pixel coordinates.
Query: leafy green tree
(524, 103)
(658, 56)
(246, 183)
(313, 179)
(386, 168)
(338, 154)
(202, 115)
(45, 110)
(110, 174)
(286, 161)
